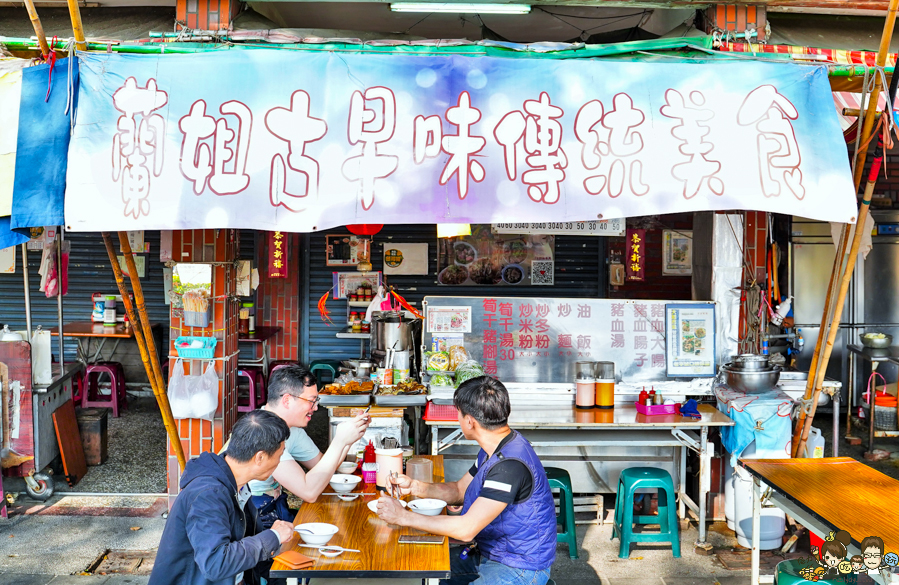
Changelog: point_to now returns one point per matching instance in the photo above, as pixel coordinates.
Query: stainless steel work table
(623, 426)
(874, 357)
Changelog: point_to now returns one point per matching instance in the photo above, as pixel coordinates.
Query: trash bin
(92, 422)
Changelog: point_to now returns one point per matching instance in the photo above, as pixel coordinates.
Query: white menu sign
(604, 227)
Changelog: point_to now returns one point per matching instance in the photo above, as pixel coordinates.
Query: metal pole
(27, 288)
(59, 241)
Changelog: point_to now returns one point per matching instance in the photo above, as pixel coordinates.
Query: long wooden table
(824, 495)
(381, 557)
(549, 428)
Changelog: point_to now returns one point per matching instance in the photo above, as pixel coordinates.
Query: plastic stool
(276, 364)
(630, 481)
(559, 479)
(92, 396)
(257, 390)
(321, 368)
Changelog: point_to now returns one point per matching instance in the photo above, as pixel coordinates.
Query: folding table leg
(756, 527)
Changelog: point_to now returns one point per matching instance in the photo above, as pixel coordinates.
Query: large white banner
(290, 141)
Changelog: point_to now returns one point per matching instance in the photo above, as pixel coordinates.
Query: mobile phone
(421, 539)
(367, 409)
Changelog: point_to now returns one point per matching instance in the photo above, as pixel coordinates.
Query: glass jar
(366, 327)
(357, 324)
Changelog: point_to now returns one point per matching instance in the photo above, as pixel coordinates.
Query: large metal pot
(750, 361)
(390, 330)
(750, 381)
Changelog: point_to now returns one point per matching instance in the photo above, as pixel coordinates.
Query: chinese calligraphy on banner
(635, 255)
(540, 339)
(277, 255)
(390, 139)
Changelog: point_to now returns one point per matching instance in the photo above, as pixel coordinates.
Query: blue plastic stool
(559, 479)
(639, 478)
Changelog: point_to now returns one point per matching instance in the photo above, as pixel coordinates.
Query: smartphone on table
(421, 539)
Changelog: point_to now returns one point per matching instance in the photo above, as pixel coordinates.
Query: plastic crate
(197, 319)
(207, 352)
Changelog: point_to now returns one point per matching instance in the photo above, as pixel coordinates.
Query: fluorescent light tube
(461, 8)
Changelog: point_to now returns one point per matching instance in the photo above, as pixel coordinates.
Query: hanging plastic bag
(41, 372)
(193, 396)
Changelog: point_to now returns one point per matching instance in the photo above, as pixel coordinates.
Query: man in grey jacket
(204, 539)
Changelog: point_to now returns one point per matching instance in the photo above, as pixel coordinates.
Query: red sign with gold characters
(635, 254)
(277, 255)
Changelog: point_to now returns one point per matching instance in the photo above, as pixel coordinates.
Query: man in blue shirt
(507, 506)
(204, 540)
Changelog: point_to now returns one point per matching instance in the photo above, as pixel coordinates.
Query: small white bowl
(342, 483)
(427, 506)
(347, 497)
(317, 533)
(373, 505)
(347, 467)
(330, 552)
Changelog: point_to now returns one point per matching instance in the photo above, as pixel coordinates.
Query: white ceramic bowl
(427, 506)
(347, 467)
(316, 532)
(373, 505)
(342, 483)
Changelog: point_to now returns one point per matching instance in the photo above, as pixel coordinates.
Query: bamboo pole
(38, 27)
(800, 435)
(77, 27)
(142, 332)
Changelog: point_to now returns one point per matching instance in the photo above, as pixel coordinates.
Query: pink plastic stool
(92, 396)
(257, 389)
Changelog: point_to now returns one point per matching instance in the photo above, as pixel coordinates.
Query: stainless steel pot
(390, 330)
(750, 381)
(359, 368)
(750, 361)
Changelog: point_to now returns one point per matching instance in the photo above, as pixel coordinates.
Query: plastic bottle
(799, 340)
(643, 396)
(782, 310)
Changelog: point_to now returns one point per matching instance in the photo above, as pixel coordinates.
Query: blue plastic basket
(206, 352)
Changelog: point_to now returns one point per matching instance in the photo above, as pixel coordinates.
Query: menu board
(485, 258)
(691, 337)
(540, 339)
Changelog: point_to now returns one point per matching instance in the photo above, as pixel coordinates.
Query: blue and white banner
(304, 141)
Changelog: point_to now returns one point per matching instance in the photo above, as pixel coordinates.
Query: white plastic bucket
(814, 446)
(773, 520)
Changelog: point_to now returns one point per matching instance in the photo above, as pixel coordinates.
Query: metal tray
(407, 400)
(347, 400)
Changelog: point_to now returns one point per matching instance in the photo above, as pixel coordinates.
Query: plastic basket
(657, 409)
(206, 352)
(884, 417)
(197, 319)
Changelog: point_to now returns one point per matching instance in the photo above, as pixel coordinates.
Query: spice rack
(347, 332)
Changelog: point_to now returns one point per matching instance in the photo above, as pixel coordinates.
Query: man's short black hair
(289, 380)
(258, 430)
(486, 400)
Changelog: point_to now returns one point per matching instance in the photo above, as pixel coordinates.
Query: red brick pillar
(219, 248)
(278, 299)
(206, 14)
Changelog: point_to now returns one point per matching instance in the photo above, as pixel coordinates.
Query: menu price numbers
(507, 354)
(613, 227)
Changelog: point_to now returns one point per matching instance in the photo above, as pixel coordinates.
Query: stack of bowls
(750, 373)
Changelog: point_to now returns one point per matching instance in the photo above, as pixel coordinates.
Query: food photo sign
(690, 338)
(486, 258)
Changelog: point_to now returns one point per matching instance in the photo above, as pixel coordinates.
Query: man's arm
(208, 527)
(309, 486)
(464, 528)
(453, 493)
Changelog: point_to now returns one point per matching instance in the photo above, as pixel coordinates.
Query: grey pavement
(38, 550)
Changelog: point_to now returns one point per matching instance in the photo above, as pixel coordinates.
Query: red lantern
(365, 229)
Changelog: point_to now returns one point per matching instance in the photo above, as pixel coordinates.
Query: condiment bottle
(643, 396)
(657, 399)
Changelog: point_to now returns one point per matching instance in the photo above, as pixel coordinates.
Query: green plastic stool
(629, 482)
(559, 479)
(787, 573)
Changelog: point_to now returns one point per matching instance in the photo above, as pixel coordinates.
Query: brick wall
(736, 19)
(220, 248)
(279, 299)
(656, 285)
(206, 14)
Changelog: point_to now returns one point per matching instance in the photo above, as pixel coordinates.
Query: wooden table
(551, 428)
(85, 332)
(381, 556)
(835, 493)
(261, 336)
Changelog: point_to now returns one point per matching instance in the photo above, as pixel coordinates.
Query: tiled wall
(279, 299)
(736, 18)
(206, 14)
(218, 247)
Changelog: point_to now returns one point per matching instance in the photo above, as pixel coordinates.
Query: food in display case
(457, 356)
(441, 380)
(403, 388)
(352, 387)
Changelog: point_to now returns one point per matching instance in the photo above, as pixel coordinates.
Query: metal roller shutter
(578, 274)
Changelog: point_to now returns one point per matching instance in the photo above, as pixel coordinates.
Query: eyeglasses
(314, 403)
(872, 555)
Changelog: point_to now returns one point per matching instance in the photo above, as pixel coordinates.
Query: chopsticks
(363, 494)
(326, 547)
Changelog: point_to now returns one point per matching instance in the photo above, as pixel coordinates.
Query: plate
(373, 505)
(464, 253)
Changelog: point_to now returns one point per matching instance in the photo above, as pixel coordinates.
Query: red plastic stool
(92, 396)
(274, 365)
(257, 389)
